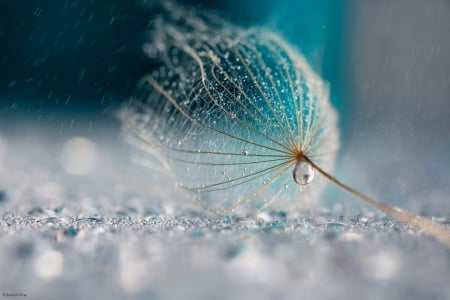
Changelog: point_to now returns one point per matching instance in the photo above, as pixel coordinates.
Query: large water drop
(303, 172)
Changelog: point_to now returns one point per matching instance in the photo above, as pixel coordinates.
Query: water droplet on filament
(303, 172)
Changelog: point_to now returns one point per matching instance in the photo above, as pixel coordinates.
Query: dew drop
(303, 172)
(245, 152)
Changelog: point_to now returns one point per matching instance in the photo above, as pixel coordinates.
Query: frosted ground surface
(93, 226)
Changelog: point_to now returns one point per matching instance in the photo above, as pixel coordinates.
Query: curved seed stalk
(437, 231)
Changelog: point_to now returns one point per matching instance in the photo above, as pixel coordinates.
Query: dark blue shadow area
(85, 57)
(75, 56)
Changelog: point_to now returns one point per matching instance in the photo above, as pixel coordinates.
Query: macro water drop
(303, 172)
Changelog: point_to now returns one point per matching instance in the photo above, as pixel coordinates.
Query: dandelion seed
(221, 89)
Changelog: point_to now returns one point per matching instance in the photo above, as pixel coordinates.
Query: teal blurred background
(86, 56)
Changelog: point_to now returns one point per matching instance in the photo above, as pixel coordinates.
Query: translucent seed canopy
(226, 111)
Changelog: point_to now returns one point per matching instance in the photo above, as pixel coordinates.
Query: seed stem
(437, 231)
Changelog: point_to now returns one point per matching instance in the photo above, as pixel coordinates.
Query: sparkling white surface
(109, 235)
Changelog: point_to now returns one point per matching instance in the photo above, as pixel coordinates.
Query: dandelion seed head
(230, 113)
